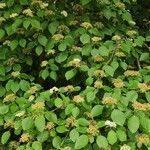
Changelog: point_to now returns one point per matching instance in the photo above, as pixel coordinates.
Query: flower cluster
(142, 139)
(38, 106)
(44, 63)
(141, 106)
(28, 12)
(75, 62)
(111, 124)
(50, 125)
(118, 83)
(93, 130)
(86, 25)
(10, 98)
(71, 122)
(98, 84)
(57, 37)
(78, 99)
(99, 73)
(25, 137)
(125, 147)
(131, 73)
(143, 87)
(109, 100)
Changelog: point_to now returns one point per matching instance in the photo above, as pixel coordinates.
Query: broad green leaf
(22, 42)
(75, 111)
(27, 123)
(24, 85)
(85, 38)
(43, 136)
(2, 91)
(5, 137)
(121, 134)
(52, 27)
(133, 124)
(81, 142)
(97, 110)
(102, 142)
(42, 40)
(61, 129)
(2, 33)
(144, 56)
(58, 102)
(2, 70)
(131, 96)
(62, 47)
(39, 50)
(109, 70)
(53, 75)
(56, 142)
(51, 116)
(74, 135)
(44, 74)
(83, 122)
(13, 44)
(35, 24)
(4, 109)
(118, 117)
(112, 137)
(145, 123)
(36, 145)
(61, 57)
(70, 74)
(40, 123)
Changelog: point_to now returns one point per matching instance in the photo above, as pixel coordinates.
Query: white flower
(110, 124)
(19, 114)
(125, 147)
(64, 13)
(54, 89)
(13, 15)
(2, 5)
(31, 98)
(28, 12)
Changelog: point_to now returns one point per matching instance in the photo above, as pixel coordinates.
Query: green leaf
(74, 135)
(52, 27)
(139, 41)
(44, 74)
(70, 74)
(56, 142)
(144, 56)
(5, 137)
(24, 85)
(42, 40)
(121, 134)
(112, 137)
(109, 70)
(102, 142)
(118, 117)
(61, 57)
(43, 136)
(58, 102)
(2, 70)
(2, 91)
(36, 145)
(91, 96)
(53, 75)
(96, 110)
(22, 42)
(35, 24)
(39, 50)
(40, 123)
(13, 44)
(83, 122)
(69, 108)
(103, 51)
(4, 109)
(62, 47)
(61, 129)
(133, 124)
(85, 38)
(131, 96)
(2, 33)
(50, 116)
(27, 123)
(81, 142)
(145, 123)
(75, 111)
(84, 2)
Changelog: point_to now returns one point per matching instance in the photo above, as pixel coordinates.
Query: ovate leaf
(81, 142)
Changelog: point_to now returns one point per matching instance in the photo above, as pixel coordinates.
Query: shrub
(74, 75)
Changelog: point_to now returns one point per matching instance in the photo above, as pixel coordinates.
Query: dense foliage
(74, 74)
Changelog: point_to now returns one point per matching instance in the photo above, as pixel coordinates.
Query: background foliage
(74, 74)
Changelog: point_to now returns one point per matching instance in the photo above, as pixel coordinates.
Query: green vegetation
(74, 75)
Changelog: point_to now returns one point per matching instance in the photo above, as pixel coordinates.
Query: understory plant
(74, 75)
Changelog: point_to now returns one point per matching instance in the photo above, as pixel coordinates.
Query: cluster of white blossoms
(44, 63)
(2, 5)
(13, 15)
(64, 13)
(28, 12)
(125, 147)
(54, 89)
(109, 123)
